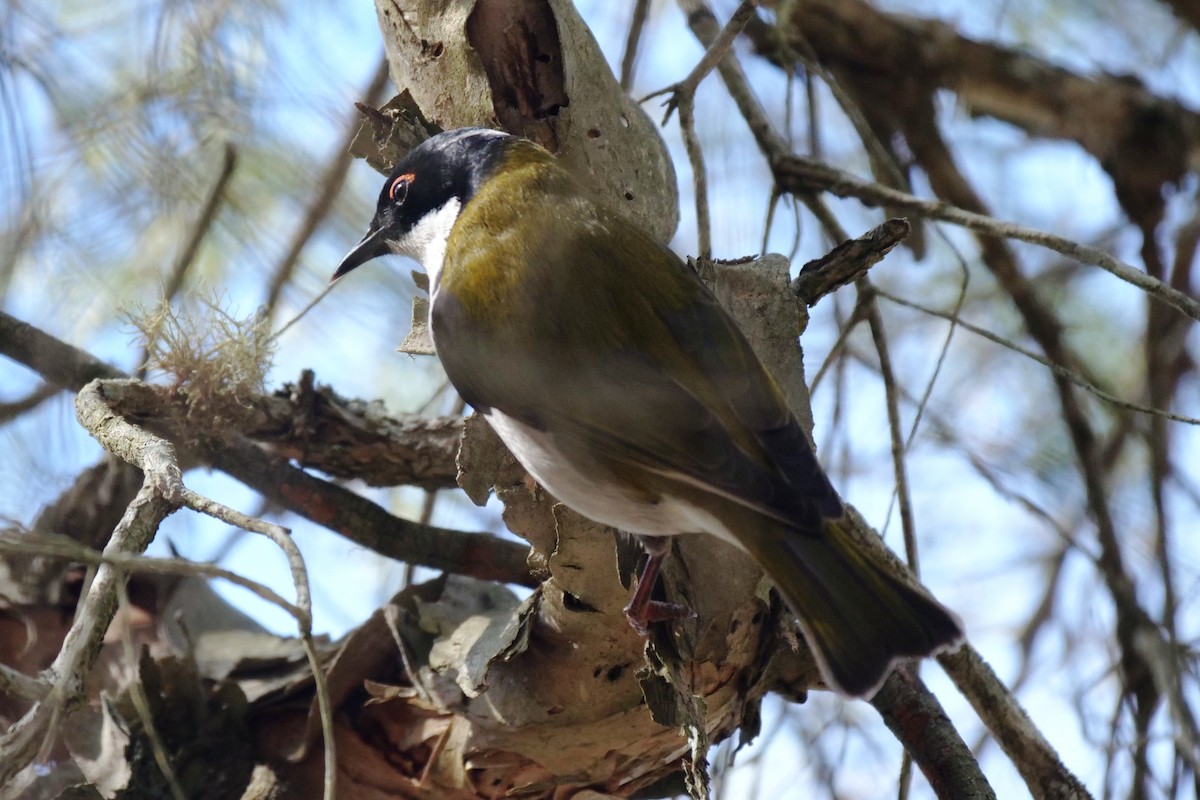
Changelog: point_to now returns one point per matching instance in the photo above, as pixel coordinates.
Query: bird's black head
(425, 193)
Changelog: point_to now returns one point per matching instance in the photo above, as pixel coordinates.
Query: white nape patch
(425, 242)
(452, 137)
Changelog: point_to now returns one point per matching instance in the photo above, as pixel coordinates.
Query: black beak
(371, 246)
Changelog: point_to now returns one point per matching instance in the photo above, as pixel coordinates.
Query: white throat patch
(426, 241)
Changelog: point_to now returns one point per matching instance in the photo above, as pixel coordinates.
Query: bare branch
(848, 261)
(637, 23)
(68, 549)
(866, 298)
(208, 214)
(918, 720)
(56, 361)
(683, 97)
(24, 739)
(799, 174)
(1057, 369)
(478, 554)
(156, 458)
(717, 49)
(1021, 741)
(18, 684)
(784, 165)
(14, 409)
(327, 188)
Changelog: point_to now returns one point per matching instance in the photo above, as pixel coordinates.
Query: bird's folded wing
(703, 411)
(672, 388)
(600, 335)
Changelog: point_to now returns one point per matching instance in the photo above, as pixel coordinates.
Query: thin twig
(141, 704)
(704, 25)
(797, 173)
(1016, 734)
(948, 436)
(18, 685)
(833, 358)
(683, 97)
(208, 214)
(1042, 614)
(637, 23)
(881, 158)
(391, 618)
(327, 188)
(691, 142)
(899, 465)
(906, 774)
(303, 607)
(14, 409)
(187, 256)
(1057, 369)
(715, 52)
(772, 207)
(276, 533)
(25, 738)
(65, 548)
(943, 353)
(959, 302)
(304, 311)
(325, 708)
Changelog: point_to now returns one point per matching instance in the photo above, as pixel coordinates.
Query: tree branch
(848, 261)
(1040, 767)
(481, 555)
(23, 741)
(799, 174)
(918, 720)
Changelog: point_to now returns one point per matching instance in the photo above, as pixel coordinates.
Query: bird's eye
(399, 188)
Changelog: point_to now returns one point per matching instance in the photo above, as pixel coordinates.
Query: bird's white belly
(602, 501)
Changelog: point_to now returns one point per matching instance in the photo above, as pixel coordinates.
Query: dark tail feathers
(856, 617)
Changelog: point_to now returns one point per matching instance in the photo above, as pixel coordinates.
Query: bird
(620, 384)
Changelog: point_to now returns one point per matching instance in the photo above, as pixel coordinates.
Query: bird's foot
(641, 616)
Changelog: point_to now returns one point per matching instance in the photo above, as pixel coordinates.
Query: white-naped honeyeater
(620, 383)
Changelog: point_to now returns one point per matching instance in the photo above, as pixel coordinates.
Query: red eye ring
(399, 188)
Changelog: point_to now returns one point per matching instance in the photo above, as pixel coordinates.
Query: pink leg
(641, 610)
